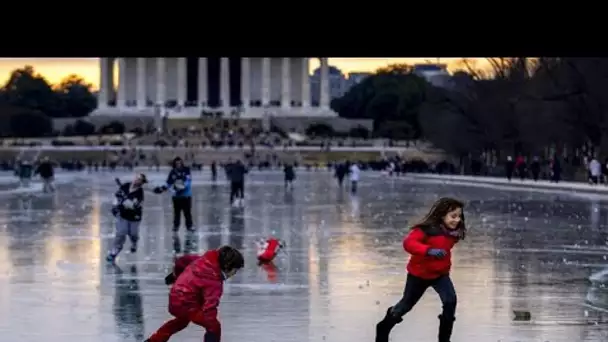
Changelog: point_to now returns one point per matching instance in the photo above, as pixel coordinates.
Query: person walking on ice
(127, 208)
(430, 243)
(354, 172)
(46, 172)
(236, 174)
(179, 181)
(289, 173)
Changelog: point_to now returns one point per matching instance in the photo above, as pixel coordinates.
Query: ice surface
(343, 266)
(502, 183)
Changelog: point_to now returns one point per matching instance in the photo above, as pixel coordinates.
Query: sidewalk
(515, 183)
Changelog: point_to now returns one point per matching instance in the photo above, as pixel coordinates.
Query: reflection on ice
(190, 243)
(128, 306)
(598, 291)
(537, 252)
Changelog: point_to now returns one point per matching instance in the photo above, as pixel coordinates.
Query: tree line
(29, 102)
(529, 106)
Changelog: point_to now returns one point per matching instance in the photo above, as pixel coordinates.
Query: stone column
(121, 101)
(285, 83)
(245, 82)
(161, 78)
(103, 96)
(265, 82)
(181, 82)
(305, 84)
(225, 83)
(202, 83)
(324, 84)
(142, 100)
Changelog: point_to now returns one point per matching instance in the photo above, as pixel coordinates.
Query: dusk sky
(54, 69)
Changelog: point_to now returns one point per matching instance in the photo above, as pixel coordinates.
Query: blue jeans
(125, 229)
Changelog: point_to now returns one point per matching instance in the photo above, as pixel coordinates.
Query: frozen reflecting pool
(344, 264)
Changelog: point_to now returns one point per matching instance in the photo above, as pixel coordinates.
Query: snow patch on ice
(547, 250)
(267, 287)
(148, 276)
(579, 190)
(70, 266)
(36, 186)
(600, 276)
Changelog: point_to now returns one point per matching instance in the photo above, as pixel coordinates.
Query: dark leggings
(182, 204)
(237, 190)
(415, 288)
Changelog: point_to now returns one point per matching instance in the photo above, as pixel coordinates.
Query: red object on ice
(271, 271)
(268, 250)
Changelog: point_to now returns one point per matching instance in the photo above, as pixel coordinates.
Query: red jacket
(199, 286)
(182, 262)
(418, 242)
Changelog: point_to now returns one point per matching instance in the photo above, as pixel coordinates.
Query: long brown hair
(435, 216)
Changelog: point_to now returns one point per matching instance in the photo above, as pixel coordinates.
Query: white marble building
(187, 87)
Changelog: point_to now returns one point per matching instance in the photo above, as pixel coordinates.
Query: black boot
(446, 325)
(384, 327)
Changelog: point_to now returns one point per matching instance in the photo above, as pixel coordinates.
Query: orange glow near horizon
(55, 69)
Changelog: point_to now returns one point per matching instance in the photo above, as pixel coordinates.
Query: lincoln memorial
(189, 87)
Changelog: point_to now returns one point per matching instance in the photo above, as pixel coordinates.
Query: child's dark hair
(438, 211)
(230, 258)
(175, 160)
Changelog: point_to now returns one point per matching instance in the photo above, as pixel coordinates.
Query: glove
(437, 253)
(128, 204)
(211, 337)
(170, 278)
(159, 189)
(115, 211)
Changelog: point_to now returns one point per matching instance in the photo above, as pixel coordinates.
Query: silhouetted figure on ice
(556, 170)
(509, 167)
(341, 171)
(535, 168)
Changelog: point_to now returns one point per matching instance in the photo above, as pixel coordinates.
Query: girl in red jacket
(196, 292)
(430, 243)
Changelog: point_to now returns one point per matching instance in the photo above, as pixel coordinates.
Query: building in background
(339, 84)
(192, 86)
(435, 73)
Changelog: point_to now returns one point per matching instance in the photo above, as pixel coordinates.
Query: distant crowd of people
(520, 167)
(513, 168)
(588, 169)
